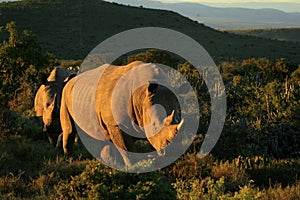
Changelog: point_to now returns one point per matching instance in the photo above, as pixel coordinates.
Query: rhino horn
(179, 126)
(170, 118)
(172, 114)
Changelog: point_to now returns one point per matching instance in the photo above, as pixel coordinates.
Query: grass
(31, 169)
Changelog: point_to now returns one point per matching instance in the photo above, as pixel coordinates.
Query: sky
(231, 1)
(219, 1)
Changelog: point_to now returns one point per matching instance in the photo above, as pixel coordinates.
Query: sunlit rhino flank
(125, 110)
(48, 99)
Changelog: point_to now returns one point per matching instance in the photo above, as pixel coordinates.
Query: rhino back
(92, 95)
(80, 99)
(123, 90)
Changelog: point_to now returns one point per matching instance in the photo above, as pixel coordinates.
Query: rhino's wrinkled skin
(48, 99)
(144, 116)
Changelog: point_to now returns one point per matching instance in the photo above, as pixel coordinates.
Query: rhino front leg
(109, 155)
(117, 139)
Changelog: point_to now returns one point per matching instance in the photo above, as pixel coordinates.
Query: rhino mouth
(161, 152)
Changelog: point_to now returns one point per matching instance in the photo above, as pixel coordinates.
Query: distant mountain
(226, 18)
(283, 6)
(72, 28)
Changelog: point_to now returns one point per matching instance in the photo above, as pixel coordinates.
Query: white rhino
(120, 109)
(48, 99)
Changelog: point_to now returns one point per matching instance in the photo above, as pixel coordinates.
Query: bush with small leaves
(100, 182)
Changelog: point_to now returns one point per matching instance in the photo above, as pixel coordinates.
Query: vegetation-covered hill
(285, 34)
(72, 28)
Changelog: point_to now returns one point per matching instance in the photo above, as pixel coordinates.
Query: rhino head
(48, 99)
(47, 102)
(161, 115)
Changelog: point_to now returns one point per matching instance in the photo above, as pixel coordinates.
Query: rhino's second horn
(180, 125)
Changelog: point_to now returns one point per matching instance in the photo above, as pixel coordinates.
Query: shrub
(290, 192)
(190, 166)
(13, 186)
(248, 192)
(21, 58)
(191, 189)
(8, 123)
(283, 171)
(234, 176)
(100, 182)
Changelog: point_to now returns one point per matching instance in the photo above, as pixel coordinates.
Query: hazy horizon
(283, 5)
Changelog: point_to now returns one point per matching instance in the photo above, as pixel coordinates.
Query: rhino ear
(69, 78)
(152, 87)
(43, 78)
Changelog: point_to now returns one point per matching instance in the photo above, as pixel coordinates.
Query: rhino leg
(68, 139)
(117, 139)
(58, 146)
(109, 155)
(68, 128)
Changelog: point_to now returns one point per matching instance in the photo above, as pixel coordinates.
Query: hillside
(290, 34)
(228, 17)
(71, 29)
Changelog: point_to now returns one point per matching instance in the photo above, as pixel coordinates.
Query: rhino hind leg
(67, 141)
(68, 129)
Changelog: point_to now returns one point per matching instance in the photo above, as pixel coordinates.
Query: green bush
(100, 182)
(212, 189)
(262, 102)
(13, 124)
(21, 57)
